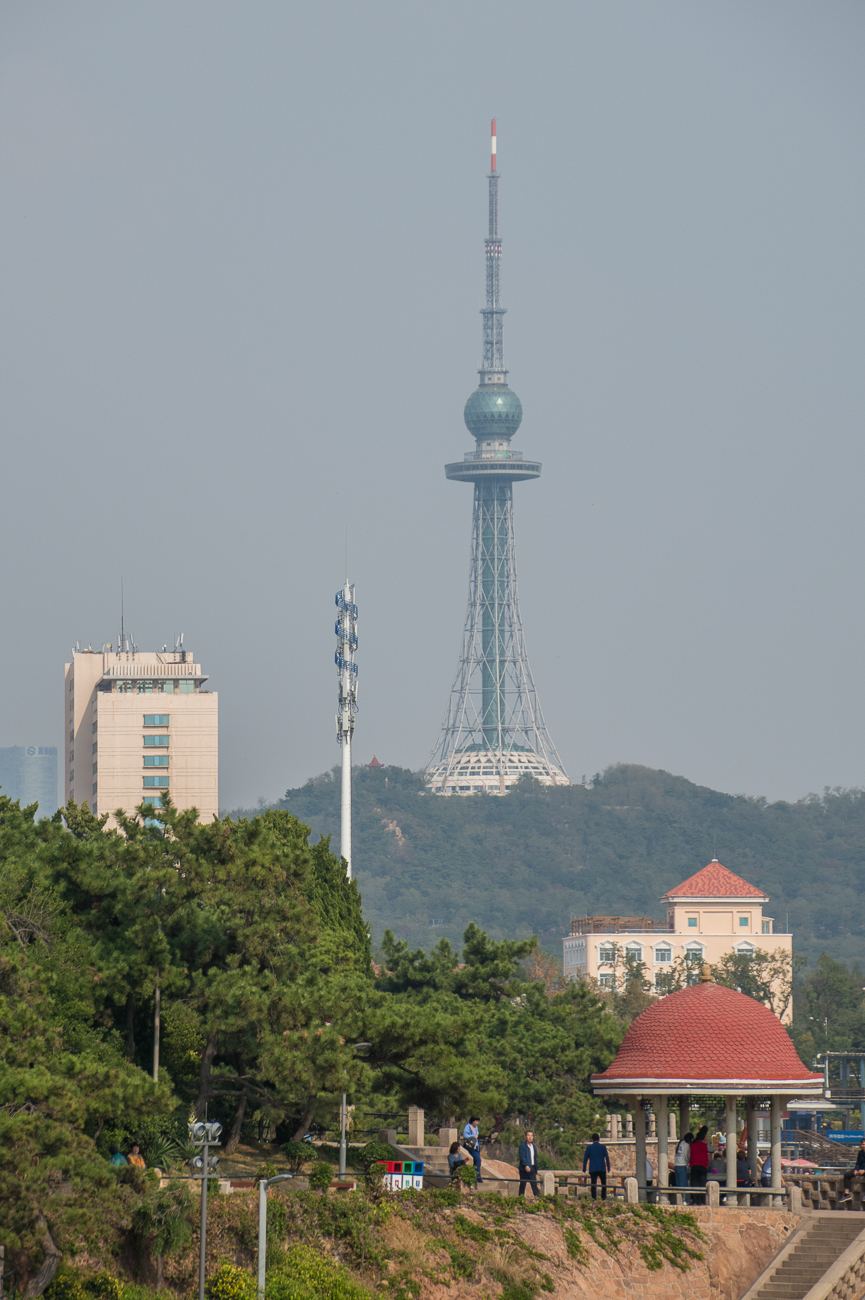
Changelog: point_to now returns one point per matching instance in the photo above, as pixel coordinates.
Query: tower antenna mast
(493, 732)
(346, 670)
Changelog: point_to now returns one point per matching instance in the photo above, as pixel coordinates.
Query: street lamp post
(360, 1048)
(262, 1226)
(203, 1135)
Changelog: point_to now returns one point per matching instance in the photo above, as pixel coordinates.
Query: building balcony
(619, 925)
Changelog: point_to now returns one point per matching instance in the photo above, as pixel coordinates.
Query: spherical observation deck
(493, 411)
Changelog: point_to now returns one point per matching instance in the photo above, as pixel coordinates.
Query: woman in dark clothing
(699, 1163)
(455, 1159)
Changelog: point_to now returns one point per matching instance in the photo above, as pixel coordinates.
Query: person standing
(528, 1159)
(597, 1157)
(699, 1163)
(766, 1172)
(682, 1160)
(472, 1143)
(116, 1158)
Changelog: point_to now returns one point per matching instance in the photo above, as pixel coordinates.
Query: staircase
(823, 1149)
(807, 1259)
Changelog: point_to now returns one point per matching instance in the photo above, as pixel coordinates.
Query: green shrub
(307, 1275)
(465, 1174)
(321, 1176)
(230, 1283)
(67, 1284)
(74, 1284)
(374, 1152)
(297, 1154)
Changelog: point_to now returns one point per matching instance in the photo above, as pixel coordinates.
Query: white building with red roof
(711, 915)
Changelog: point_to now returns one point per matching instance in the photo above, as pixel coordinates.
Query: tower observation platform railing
(493, 455)
(619, 925)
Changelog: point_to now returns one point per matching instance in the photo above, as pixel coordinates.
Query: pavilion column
(640, 1141)
(684, 1116)
(731, 1149)
(775, 1138)
(663, 1171)
(752, 1142)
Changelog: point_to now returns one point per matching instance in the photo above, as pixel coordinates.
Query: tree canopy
(258, 946)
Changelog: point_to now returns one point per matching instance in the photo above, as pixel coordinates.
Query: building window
(185, 688)
(745, 949)
(94, 788)
(152, 800)
(767, 927)
(692, 922)
(607, 954)
(168, 688)
(153, 741)
(693, 953)
(156, 719)
(94, 769)
(156, 760)
(663, 955)
(150, 781)
(606, 981)
(635, 952)
(743, 920)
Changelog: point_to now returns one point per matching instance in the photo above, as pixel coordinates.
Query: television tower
(346, 671)
(493, 731)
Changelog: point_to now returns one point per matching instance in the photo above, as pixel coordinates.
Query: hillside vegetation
(528, 863)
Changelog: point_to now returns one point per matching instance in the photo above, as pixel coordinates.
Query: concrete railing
(845, 1279)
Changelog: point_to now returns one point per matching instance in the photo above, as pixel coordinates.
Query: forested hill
(529, 862)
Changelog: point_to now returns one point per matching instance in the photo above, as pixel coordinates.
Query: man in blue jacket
(528, 1159)
(598, 1160)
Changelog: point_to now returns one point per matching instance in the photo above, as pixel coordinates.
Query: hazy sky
(242, 262)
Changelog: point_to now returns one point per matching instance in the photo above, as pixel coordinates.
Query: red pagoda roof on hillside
(375, 762)
(708, 1035)
(715, 881)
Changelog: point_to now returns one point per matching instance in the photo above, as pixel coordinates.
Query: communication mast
(493, 731)
(346, 670)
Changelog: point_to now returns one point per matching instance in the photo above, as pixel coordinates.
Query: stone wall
(739, 1245)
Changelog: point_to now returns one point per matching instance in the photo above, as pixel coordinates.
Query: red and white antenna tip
(493, 145)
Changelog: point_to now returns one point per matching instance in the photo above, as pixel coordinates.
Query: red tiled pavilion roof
(707, 1037)
(715, 881)
(375, 762)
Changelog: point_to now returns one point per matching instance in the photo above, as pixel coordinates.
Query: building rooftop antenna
(346, 670)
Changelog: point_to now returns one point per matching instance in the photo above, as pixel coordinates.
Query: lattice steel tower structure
(493, 731)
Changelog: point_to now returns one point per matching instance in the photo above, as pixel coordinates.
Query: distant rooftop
(715, 881)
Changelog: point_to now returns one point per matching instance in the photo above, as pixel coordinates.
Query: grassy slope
(528, 863)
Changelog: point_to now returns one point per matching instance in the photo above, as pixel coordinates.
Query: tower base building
(140, 725)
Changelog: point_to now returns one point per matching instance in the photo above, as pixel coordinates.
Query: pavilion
(707, 1041)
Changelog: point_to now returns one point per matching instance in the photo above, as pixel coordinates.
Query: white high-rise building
(138, 725)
